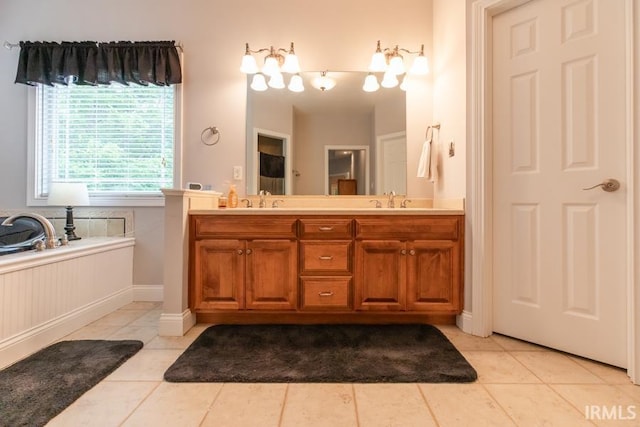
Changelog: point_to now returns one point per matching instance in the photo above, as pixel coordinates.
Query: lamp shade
(68, 194)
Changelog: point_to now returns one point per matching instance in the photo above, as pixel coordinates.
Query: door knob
(608, 185)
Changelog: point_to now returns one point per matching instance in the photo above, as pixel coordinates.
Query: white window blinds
(119, 140)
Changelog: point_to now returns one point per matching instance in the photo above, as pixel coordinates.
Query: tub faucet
(49, 231)
(391, 203)
(263, 198)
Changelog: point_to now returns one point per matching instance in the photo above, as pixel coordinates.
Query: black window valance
(92, 63)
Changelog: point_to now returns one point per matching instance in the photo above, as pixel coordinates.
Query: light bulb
(420, 66)
(370, 83)
(405, 83)
(291, 64)
(249, 65)
(295, 84)
(389, 80)
(258, 83)
(271, 66)
(276, 81)
(396, 65)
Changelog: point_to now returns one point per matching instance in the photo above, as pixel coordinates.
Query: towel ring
(214, 132)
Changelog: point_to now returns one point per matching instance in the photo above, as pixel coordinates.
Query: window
(119, 140)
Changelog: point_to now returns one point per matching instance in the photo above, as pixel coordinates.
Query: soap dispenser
(233, 196)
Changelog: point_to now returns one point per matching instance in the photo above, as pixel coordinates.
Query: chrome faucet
(404, 202)
(248, 202)
(49, 231)
(274, 204)
(263, 198)
(391, 203)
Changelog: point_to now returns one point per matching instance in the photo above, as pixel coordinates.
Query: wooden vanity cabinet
(409, 263)
(313, 269)
(326, 263)
(243, 263)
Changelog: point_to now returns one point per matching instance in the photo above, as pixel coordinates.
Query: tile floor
(519, 384)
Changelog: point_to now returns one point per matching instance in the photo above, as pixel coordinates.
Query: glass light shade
(378, 63)
(323, 82)
(249, 65)
(389, 80)
(370, 83)
(259, 83)
(295, 84)
(68, 194)
(271, 66)
(291, 64)
(396, 65)
(420, 66)
(276, 81)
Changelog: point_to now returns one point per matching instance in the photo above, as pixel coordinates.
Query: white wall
(213, 33)
(450, 95)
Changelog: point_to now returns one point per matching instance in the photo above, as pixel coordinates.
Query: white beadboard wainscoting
(47, 295)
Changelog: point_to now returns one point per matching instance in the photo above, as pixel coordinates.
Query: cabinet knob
(240, 252)
(412, 252)
(403, 251)
(249, 251)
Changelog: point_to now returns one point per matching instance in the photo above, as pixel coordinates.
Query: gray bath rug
(321, 353)
(36, 389)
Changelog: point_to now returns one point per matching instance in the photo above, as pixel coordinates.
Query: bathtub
(45, 295)
(21, 236)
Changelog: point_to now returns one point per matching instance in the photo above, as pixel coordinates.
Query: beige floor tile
(536, 405)
(555, 368)
(120, 317)
(499, 368)
(610, 374)
(175, 404)
(512, 344)
(315, 405)
(244, 405)
(389, 405)
(464, 341)
(132, 332)
(179, 343)
(107, 404)
(633, 391)
(464, 405)
(605, 405)
(151, 318)
(143, 305)
(146, 365)
(93, 332)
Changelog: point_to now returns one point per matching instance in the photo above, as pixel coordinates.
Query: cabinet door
(272, 274)
(380, 275)
(434, 276)
(218, 274)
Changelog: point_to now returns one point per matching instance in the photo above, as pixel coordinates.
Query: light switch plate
(237, 172)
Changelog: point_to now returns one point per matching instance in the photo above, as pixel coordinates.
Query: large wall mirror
(338, 141)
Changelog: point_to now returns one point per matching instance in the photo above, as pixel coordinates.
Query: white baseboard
(175, 325)
(34, 339)
(148, 292)
(465, 322)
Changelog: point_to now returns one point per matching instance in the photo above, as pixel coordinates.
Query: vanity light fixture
(324, 82)
(295, 84)
(275, 63)
(370, 83)
(391, 63)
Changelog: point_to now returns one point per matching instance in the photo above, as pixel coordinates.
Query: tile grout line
(493, 398)
(355, 403)
(426, 402)
(284, 403)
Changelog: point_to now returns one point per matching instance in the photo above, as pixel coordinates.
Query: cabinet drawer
(322, 228)
(326, 293)
(244, 226)
(325, 257)
(403, 228)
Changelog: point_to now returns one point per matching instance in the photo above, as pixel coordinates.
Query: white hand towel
(424, 163)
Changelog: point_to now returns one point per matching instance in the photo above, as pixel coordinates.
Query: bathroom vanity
(310, 265)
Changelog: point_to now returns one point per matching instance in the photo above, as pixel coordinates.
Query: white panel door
(392, 163)
(559, 125)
